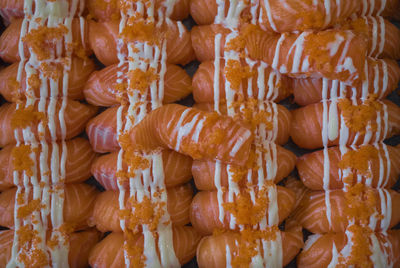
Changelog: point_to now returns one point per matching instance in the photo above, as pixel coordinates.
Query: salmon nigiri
(80, 244)
(100, 89)
(277, 118)
(79, 157)
(383, 36)
(10, 38)
(205, 213)
(298, 15)
(205, 11)
(381, 78)
(295, 54)
(318, 250)
(386, 8)
(365, 123)
(78, 75)
(264, 82)
(10, 10)
(204, 171)
(378, 166)
(177, 169)
(212, 250)
(75, 117)
(102, 131)
(333, 54)
(103, 37)
(106, 10)
(78, 205)
(322, 213)
(193, 132)
(109, 253)
(106, 209)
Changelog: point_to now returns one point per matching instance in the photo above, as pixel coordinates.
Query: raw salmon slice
(79, 158)
(78, 205)
(10, 10)
(100, 89)
(311, 167)
(308, 122)
(312, 212)
(204, 170)
(204, 211)
(296, 54)
(265, 83)
(9, 40)
(78, 75)
(212, 250)
(75, 116)
(80, 244)
(318, 249)
(382, 36)
(103, 37)
(381, 78)
(106, 213)
(193, 132)
(280, 131)
(106, 10)
(177, 169)
(109, 253)
(297, 15)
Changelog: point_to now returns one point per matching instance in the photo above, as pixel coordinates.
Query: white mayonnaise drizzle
(267, 161)
(46, 184)
(333, 127)
(150, 181)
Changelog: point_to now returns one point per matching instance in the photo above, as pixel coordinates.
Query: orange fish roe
(318, 49)
(214, 138)
(250, 245)
(238, 174)
(20, 198)
(359, 159)
(235, 73)
(236, 44)
(141, 31)
(53, 242)
(247, 212)
(34, 258)
(145, 213)
(25, 117)
(134, 249)
(360, 203)
(358, 25)
(358, 117)
(43, 38)
(28, 209)
(51, 70)
(65, 229)
(22, 160)
(141, 80)
(26, 234)
(34, 81)
(249, 112)
(360, 249)
(121, 87)
(131, 157)
(122, 176)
